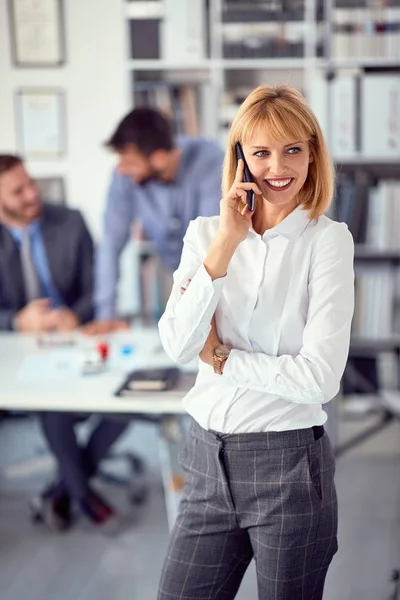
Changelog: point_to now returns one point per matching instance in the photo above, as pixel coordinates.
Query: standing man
(46, 284)
(162, 182)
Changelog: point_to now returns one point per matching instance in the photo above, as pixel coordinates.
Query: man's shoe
(53, 508)
(95, 508)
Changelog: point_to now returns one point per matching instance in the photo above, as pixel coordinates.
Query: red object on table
(103, 350)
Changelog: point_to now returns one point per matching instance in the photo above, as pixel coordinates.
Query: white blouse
(285, 307)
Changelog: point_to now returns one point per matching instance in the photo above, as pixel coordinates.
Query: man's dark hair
(8, 162)
(146, 128)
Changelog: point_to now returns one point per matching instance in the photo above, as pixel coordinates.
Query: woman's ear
(311, 158)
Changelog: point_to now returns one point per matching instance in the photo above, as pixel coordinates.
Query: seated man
(46, 284)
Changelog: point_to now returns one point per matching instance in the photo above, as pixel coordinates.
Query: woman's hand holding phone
(234, 223)
(235, 216)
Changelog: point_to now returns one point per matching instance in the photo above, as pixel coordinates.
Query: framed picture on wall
(41, 123)
(37, 33)
(52, 189)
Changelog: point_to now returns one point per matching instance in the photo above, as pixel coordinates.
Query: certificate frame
(37, 32)
(41, 123)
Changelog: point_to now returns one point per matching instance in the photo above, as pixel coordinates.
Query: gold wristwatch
(220, 355)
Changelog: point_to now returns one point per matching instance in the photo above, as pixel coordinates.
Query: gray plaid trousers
(267, 495)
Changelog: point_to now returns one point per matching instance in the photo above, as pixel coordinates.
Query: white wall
(96, 83)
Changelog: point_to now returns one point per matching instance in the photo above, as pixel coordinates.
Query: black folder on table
(149, 380)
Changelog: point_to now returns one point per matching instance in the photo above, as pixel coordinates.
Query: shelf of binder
(149, 269)
(180, 100)
(261, 10)
(368, 201)
(384, 166)
(268, 40)
(344, 106)
(376, 255)
(362, 346)
(273, 30)
(185, 34)
(366, 29)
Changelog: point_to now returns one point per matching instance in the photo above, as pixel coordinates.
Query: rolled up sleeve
(120, 213)
(186, 322)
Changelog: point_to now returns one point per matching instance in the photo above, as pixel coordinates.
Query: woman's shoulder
(200, 233)
(324, 227)
(327, 233)
(203, 228)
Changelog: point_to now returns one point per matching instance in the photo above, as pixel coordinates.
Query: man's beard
(24, 217)
(154, 175)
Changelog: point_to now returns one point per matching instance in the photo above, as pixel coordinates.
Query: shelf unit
(301, 42)
(219, 80)
(366, 352)
(358, 31)
(369, 254)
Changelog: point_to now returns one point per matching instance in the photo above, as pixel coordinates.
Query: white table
(30, 382)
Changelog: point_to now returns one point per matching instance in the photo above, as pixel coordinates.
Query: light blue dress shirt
(40, 261)
(164, 209)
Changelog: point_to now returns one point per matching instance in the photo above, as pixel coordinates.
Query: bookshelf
(362, 73)
(234, 46)
(224, 48)
(368, 201)
(371, 381)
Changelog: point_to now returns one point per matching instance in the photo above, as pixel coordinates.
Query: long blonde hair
(284, 113)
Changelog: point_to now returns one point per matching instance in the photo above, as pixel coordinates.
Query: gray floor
(86, 564)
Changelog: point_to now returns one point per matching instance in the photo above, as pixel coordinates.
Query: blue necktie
(33, 288)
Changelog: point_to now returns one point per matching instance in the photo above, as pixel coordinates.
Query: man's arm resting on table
(7, 319)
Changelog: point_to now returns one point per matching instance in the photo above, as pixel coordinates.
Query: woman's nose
(276, 164)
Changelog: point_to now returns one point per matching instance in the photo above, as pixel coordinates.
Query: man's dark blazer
(69, 250)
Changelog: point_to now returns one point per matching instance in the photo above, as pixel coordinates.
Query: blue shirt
(164, 209)
(39, 257)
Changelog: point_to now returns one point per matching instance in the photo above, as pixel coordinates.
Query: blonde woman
(265, 299)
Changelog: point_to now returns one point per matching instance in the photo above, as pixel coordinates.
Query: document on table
(51, 366)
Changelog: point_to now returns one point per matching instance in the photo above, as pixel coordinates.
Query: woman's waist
(222, 407)
(268, 440)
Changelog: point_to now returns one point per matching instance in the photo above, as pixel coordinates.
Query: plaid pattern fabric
(267, 495)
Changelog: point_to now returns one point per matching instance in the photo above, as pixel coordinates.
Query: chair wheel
(36, 510)
(137, 464)
(139, 497)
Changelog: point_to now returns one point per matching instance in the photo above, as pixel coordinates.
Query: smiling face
(285, 150)
(279, 168)
(20, 202)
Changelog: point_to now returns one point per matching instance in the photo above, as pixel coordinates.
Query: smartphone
(247, 177)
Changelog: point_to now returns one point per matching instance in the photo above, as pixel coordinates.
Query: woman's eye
(264, 153)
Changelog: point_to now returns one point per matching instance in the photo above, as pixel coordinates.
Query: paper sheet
(51, 366)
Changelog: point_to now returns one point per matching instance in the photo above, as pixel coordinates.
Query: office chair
(135, 482)
(396, 585)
